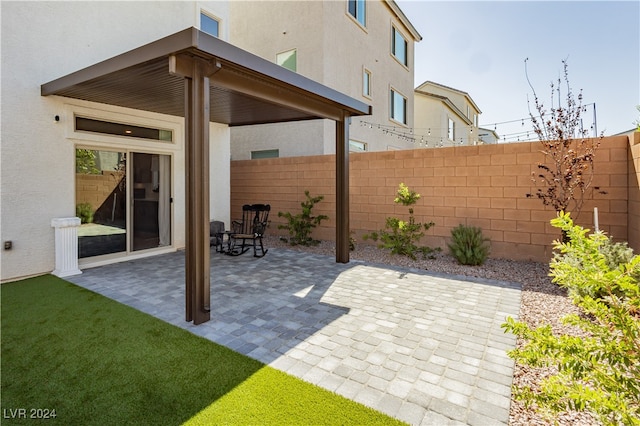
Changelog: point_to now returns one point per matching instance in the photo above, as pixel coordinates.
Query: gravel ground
(542, 303)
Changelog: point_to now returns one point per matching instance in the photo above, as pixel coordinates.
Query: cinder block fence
(483, 186)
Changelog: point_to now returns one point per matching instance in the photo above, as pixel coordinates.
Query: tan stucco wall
(42, 41)
(482, 186)
(431, 115)
(333, 50)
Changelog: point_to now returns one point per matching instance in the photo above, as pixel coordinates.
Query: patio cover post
(342, 189)
(197, 104)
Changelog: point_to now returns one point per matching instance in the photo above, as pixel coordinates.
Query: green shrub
(468, 245)
(85, 212)
(401, 236)
(301, 225)
(614, 256)
(600, 371)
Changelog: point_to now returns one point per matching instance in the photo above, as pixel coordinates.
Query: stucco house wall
(333, 49)
(435, 104)
(42, 41)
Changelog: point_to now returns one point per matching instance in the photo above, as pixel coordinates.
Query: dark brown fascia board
(199, 43)
(160, 48)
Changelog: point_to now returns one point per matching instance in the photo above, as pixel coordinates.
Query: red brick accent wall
(484, 186)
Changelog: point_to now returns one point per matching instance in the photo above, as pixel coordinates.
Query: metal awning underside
(244, 88)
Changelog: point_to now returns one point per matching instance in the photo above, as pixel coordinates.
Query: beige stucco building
(363, 48)
(444, 116)
(106, 120)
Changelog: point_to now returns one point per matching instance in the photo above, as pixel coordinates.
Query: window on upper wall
(209, 25)
(398, 107)
(357, 9)
(399, 46)
(355, 146)
(366, 83)
(288, 59)
(451, 133)
(266, 153)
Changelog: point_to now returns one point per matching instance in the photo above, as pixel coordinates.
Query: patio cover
(204, 79)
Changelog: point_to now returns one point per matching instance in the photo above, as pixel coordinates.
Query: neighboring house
(487, 136)
(94, 96)
(363, 48)
(444, 116)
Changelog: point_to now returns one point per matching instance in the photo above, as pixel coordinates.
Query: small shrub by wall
(484, 186)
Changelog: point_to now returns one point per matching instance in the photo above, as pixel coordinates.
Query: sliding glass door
(101, 202)
(151, 201)
(124, 206)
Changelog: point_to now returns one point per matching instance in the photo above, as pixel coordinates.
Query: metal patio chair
(248, 232)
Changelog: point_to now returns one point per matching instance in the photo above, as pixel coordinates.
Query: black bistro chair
(248, 232)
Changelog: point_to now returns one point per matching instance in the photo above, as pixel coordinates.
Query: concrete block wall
(483, 186)
(634, 192)
(95, 189)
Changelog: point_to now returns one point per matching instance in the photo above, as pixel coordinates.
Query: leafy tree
(567, 171)
(599, 372)
(302, 224)
(86, 162)
(401, 236)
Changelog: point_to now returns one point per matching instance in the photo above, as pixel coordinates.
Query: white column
(66, 241)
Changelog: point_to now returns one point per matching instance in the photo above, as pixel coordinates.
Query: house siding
(334, 50)
(42, 41)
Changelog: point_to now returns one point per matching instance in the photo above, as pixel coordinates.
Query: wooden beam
(197, 263)
(342, 189)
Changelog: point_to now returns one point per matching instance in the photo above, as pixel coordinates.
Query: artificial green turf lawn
(96, 361)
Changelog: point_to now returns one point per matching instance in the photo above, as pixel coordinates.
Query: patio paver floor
(424, 348)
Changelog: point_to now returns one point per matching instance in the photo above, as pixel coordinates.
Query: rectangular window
(355, 146)
(399, 46)
(119, 129)
(366, 83)
(451, 133)
(398, 107)
(357, 9)
(267, 153)
(288, 60)
(209, 25)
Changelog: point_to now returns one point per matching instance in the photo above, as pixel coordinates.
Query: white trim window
(398, 107)
(366, 83)
(209, 24)
(358, 9)
(356, 146)
(451, 130)
(399, 46)
(288, 60)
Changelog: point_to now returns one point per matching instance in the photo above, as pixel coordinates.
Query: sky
(480, 47)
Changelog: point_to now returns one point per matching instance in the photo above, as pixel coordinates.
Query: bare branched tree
(567, 171)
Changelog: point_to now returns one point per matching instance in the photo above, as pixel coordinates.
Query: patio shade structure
(204, 79)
